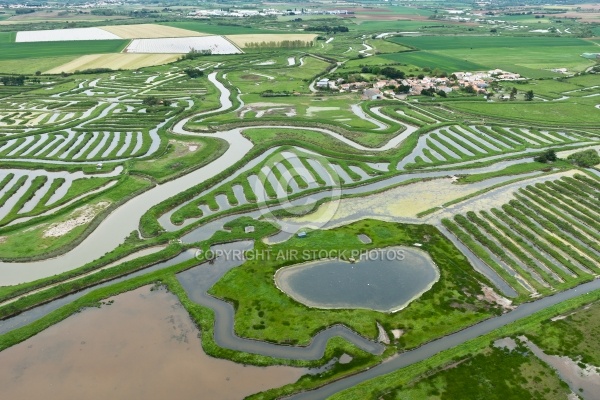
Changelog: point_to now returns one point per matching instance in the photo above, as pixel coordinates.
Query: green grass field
(388, 26)
(424, 59)
(577, 113)
(529, 52)
(33, 64)
(7, 37)
(490, 375)
(18, 51)
(446, 43)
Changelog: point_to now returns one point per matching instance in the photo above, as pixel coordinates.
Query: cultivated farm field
(20, 51)
(503, 52)
(113, 61)
(434, 60)
(183, 45)
(148, 31)
(60, 35)
(244, 40)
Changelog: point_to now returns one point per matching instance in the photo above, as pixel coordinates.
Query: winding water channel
(117, 226)
(113, 230)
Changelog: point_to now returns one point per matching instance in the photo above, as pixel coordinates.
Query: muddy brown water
(143, 346)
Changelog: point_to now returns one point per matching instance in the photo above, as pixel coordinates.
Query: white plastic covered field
(60, 35)
(183, 45)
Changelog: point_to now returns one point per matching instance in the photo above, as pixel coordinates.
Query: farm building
(372, 94)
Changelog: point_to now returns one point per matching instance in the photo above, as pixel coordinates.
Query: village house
(478, 81)
(372, 94)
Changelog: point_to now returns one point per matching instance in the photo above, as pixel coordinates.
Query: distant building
(323, 83)
(372, 94)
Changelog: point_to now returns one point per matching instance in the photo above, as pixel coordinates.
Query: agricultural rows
(107, 131)
(546, 239)
(27, 193)
(183, 45)
(457, 143)
(286, 174)
(78, 146)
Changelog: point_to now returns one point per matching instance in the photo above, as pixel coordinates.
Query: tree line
(327, 28)
(18, 80)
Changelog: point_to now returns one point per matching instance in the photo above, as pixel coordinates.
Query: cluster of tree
(143, 13)
(18, 80)
(436, 72)
(20, 11)
(193, 54)
(105, 12)
(152, 101)
(284, 44)
(93, 71)
(233, 24)
(193, 72)
(327, 28)
(270, 93)
(388, 72)
(586, 158)
(529, 95)
(403, 89)
(547, 156)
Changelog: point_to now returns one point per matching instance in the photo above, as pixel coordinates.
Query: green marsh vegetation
(259, 303)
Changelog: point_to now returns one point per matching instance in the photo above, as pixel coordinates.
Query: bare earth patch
(79, 217)
(392, 204)
(490, 295)
(3, 239)
(149, 31)
(310, 111)
(244, 40)
(114, 61)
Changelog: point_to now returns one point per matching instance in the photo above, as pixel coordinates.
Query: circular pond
(385, 280)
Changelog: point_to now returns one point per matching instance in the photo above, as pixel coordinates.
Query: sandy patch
(35, 121)
(264, 104)
(79, 217)
(149, 31)
(394, 203)
(310, 111)
(182, 148)
(397, 333)
(506, 343)
(114, 61)
(270, 62)
(3, 239)
(244, 40)
(383, 336)
(269, 77)
(490, 295)
(262, 109)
